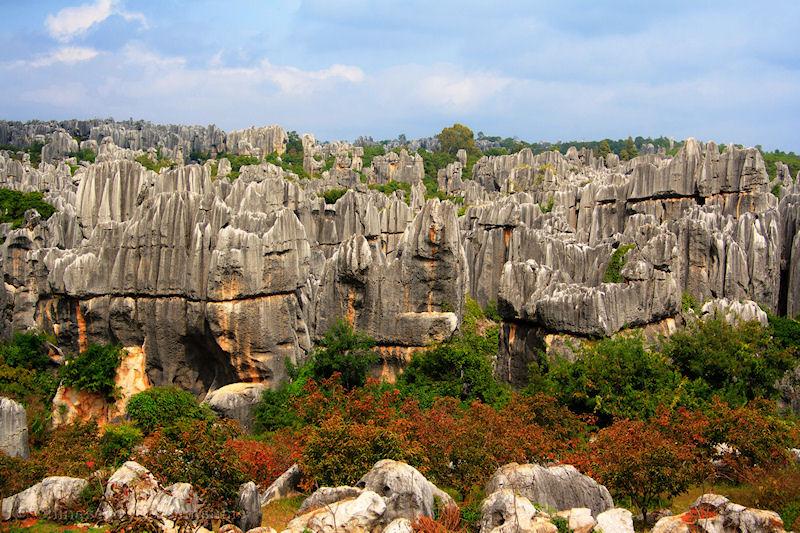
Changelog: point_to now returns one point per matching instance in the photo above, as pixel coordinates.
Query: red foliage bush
(263, 461)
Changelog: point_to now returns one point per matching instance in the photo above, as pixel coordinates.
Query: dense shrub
(26, 385)
(13, 205)
(70, 450)
(84, 154)
(156, 166)
(26, 350)
(460, 368)
(163, 407)
(391, 186)
(332, 195)
(263, 461)
(370, 152)
(94, 370)
(616, 377)
(196, 452)
(738, 363)
(635, 460)
(346, 351)
(613, 273)
(786, 332)
(340, 452)
(118, 442)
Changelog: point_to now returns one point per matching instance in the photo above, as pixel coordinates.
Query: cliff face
(219, 282)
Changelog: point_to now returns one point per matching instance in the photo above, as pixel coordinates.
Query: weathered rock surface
(236, 401)
(734, 312)
(282, 487)
(559, 487)
(133, 491)
(49, 496)
(362, 513)
(402, 490)
(506, 511)
(616, 520)
(714, 513)
(249, 506)
(406, 492)
(13, 429)
(220, 282)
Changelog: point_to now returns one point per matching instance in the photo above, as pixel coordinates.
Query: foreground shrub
(263, 461)
(634, 460)
(775, 488)
(195, 451)
(94, 370)
(118, 442)
(70, 450)
(339, 453)
(164, 407)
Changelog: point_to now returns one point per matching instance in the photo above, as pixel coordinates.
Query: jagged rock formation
(711, 513)
(13, 429)
(219, 282)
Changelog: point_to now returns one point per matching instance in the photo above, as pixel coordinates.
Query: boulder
(506, 511)
(712, 513)
(13, 429)
(283, 486)
(133, 491)
(733, 311)
(48, 497)
(615, 520)
(399, 525)
(325, 496)
(249, 506)
(363, 513)
(559, 487)
(236, 401)
(579, 519)
(406, 492)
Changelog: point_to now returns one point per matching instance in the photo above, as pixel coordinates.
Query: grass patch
(278, 513)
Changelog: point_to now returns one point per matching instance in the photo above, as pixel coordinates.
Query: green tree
(165, 407)
(344, 350)
(457, 137)
(738, 363)
(94, 370)
(603, 149)
(629, 151)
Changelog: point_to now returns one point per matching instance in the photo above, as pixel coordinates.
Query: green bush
(785, 331)
(26, 350)
(346, 351)
(84, 154)
(617, 378)
(157, 166)
(13, 205)
(164, 407)
(370, 152)
(118, 442)
(94, 370)
(738, 363)
(613, 272)
(332, 195)
(391, 186)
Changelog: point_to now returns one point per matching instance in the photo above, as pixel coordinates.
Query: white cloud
(75, 21)
(68, 55)
(459, 90)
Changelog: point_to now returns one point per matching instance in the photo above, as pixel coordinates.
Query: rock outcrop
(219, 282)
(13, 429)
(47, 498)
(558, 487)
(713, 513)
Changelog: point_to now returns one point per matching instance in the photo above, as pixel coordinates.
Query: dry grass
(278, 513)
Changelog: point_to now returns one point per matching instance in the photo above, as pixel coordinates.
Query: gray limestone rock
(560, 487)
(13, 429)
(249, 506)
(49, 496)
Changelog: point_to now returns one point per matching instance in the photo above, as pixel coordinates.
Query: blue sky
(727, 70)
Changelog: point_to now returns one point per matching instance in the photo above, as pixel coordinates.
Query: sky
(727, 71)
